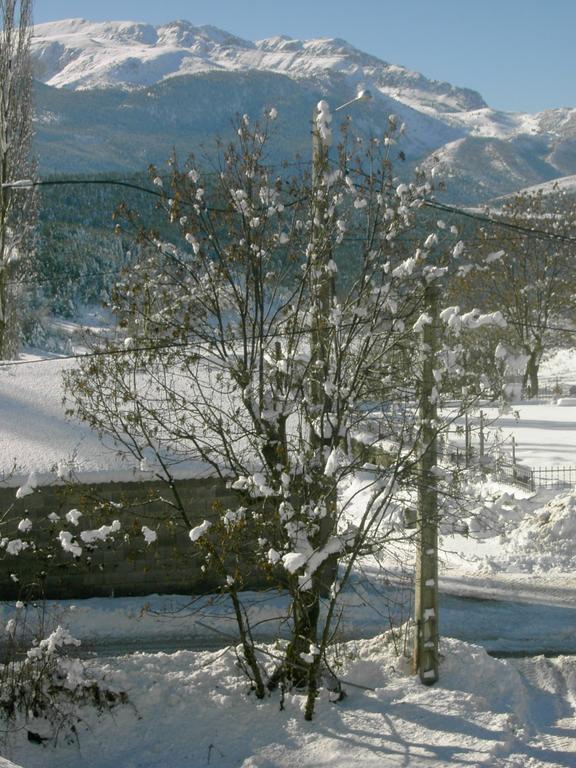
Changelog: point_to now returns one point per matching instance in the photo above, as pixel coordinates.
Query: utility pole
(321, 279)
(426, 591)
(322, 293)
(322, 290)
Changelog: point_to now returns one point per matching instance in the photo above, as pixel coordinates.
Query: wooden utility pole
(322, 290)
(322, 293)
(321, 279)
(426, 592)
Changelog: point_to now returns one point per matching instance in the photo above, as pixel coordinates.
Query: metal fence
(558, 476)
(516, 474)
(562, 476)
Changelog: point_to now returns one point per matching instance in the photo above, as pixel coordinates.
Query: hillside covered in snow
(119, 95)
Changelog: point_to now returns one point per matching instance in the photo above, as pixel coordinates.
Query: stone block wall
(126, 565)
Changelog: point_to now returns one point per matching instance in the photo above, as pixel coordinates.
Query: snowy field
(508, 587)
(543, 432)
(37, 436)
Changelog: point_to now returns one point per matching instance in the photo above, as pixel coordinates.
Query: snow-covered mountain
(566, 186)
(80, 54)
(178, 85)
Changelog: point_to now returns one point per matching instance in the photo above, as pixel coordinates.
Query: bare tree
(242, 352)
(16, 163)
(528, 277)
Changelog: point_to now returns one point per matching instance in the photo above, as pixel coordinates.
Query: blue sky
(517, 53)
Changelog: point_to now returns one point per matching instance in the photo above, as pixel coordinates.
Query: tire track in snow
(552, 706)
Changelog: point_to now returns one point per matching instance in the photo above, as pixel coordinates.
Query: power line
(24, 184)
(533, 231)
(499, 222)
(456, 210)
(31, 184)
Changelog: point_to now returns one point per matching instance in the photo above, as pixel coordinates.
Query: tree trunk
(294, 670)
(3, 326)
(15, 148)
(530, 382)
(306, 615)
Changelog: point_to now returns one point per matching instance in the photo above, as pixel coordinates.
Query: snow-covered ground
(508, 587)
(542, 432)
(194, 709)
(37, 436)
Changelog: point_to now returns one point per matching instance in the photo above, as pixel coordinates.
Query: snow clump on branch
(200, 530)
(323, 120)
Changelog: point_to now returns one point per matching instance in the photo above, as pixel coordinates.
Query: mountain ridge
(135, 77)
(78, 54)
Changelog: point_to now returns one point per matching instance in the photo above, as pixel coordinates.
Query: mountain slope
(120, 95)
(477, 168)
(114, 129)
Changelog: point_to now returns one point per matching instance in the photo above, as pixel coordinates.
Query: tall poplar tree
(16, 163)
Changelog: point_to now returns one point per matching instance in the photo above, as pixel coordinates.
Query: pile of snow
(491, 517)
(545, 540)
(196, 709)
(516, 532)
